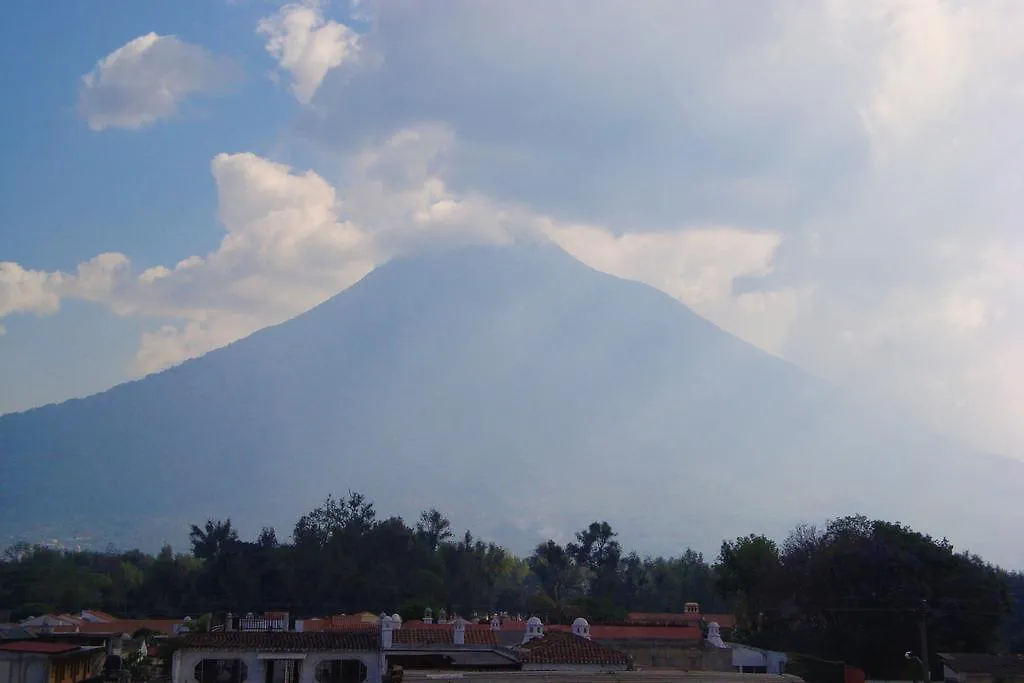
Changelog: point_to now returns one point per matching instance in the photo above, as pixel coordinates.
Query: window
(281, 671)
(341, 671)
(221, 671)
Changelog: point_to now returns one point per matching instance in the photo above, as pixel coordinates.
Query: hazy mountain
(514, 388)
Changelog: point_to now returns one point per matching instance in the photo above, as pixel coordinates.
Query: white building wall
(184, 663)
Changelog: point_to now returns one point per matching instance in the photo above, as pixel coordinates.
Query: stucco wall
(184, 662)
(650, 676)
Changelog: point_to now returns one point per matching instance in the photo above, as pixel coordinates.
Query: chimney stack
(460, 631)
(534, 629)
(387, 632)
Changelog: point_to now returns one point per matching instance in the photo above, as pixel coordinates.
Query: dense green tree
(749, 570)
(858, 591)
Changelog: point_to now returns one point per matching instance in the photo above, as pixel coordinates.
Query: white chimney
(428, 616)
(387, 632)
(460, 631)
(534, 629)
(715, 636)
(496, 622)
(581, 628)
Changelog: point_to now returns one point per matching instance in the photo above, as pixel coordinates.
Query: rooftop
(36, 647)
(129, 626)
(979, 663)
(566, 648)
(285, 641)
(444, 634)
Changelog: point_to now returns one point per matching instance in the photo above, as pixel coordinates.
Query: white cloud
(869, 135)
(146, 80)
(27, 291)
(291, 242)
(698, 266)
(307, 45)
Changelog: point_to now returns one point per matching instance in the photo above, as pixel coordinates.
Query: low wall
(651, 676)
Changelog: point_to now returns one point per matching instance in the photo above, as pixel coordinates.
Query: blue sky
(835, 183)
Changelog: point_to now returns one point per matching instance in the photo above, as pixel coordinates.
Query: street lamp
(911, 657)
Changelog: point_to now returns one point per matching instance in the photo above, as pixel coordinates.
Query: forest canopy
(854, 590)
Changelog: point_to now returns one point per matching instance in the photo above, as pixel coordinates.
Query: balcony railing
(258, 622)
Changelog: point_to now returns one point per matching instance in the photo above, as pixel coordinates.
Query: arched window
(340, 671)
(221, 671)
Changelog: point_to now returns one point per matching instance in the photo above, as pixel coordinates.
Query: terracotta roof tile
(619, 631)
(130, 626)
(616, 632)
(69, 618)
(603, 632)
(285, 641)
(101, 615)
(566, 648)
(444, 634)
(655, 618)
(36, 647)
(323, 625)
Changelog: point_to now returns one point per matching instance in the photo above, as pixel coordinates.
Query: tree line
(855, 590)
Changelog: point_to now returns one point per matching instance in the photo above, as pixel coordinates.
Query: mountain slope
(517, 390)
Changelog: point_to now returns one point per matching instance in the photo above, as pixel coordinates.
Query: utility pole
(923, 626)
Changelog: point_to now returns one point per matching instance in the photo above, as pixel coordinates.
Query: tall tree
(748, 569)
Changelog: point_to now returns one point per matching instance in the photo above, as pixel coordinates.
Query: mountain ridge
(538, 391)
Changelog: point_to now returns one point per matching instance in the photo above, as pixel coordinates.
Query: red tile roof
(482, 634)
(129, 626)
(605, 632)
(444, 634)
(560, 648)
(285, 641)
(36, 647)
(617, 632)
(655, 618)
(334, 624)
(101, 615)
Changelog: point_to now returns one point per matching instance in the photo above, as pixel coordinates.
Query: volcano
(517, 390)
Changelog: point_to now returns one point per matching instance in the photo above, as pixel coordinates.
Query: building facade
(279, 657)
(40, 662)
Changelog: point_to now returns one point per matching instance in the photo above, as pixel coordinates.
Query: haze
(831, 182)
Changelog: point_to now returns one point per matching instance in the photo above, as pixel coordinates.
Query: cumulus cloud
(40, 292)
(291, 240)
(27, 291)
(147, 79)
(307, 45)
